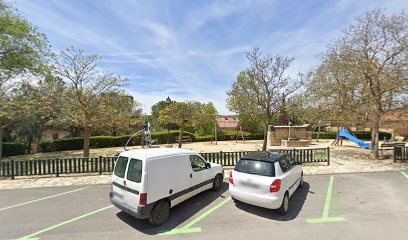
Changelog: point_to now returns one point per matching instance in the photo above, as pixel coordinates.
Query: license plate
(249, 184)
(117, 195)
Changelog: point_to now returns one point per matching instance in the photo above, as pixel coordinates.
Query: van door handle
(124, 182)
(191, 175)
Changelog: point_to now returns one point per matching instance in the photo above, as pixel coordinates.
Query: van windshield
(134, 173)
(256, 167)
(120, 166)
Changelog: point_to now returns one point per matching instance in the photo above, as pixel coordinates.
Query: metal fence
(13, 168)
(57, 166)
(400, 153)
(301, 156)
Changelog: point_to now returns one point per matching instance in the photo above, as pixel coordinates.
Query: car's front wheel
(217, 182)
(283, 210)
(160, 213)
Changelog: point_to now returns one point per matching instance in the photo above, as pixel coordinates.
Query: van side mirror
(208, 165)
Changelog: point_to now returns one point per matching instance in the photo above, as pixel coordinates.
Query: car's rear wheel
(160, 213)
(217, 183)
(301, 181)
(283, 210)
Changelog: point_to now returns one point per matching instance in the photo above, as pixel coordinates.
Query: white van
(147, 183)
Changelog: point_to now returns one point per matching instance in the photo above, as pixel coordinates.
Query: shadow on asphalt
(179, 214)
(295, 206)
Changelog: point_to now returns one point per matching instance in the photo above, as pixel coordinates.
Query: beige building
(278, 133)
(228, 123)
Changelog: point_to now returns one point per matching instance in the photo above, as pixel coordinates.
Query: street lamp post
(168, 101)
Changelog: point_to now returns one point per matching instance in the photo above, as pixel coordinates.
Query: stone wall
(277, 133)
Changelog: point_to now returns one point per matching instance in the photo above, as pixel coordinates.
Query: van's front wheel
(160, 213)
(217, 182)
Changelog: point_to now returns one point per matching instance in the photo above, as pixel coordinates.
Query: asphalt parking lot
(345, 206)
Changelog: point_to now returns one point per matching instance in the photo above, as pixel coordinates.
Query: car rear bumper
(142, 211)
(271, 201)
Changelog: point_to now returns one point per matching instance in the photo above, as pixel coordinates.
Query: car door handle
(191, 175)
(124, 183)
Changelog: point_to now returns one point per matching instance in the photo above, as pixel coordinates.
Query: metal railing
(301, 156)
(57, 166)
(400, 153)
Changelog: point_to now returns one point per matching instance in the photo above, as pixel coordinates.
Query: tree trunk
(29, 144)
(1, 139)
(180, 137)
(265, 140)
(375, 128)
(87, 140)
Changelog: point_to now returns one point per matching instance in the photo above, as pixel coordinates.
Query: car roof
(155, 152)
(266, 156)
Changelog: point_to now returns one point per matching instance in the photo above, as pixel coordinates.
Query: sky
(193, 50)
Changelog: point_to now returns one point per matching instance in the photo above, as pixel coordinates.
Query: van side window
(197, 164)
(134, 172)
(120, 166)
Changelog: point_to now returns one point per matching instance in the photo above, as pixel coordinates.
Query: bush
(13, 149)
(257, 136)
(203, 138)
(107, 141)
(364, 135)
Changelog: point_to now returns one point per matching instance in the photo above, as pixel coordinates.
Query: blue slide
(344, 133)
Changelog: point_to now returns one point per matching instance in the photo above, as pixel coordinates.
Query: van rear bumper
(142, 211)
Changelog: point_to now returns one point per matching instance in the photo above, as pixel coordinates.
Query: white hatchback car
(265, 179)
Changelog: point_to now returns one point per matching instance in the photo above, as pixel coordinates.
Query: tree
(250, 123)
(124, 113)
(87, 87)
(205, 117)
(156, 108)
(365, 72)
(22, 50)
(259, 90)
(181, 113)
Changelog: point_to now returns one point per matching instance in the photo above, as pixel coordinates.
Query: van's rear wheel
(217, 183)
(160, 213)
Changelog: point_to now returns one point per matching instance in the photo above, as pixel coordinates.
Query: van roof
(156, 152)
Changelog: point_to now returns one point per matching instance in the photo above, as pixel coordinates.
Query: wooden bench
(389, 146)
(185, 139)
(247, 137)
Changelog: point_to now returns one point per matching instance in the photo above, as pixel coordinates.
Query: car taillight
(231, 180)
(143, 199)
(275, 186)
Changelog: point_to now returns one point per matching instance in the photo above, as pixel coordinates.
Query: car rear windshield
(120, 166)
(256, 167)
(134, 173)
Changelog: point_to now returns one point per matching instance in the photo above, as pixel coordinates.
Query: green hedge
(365, 135)
(13, 149)
(257, 136)
(107, 141)
(225, 136)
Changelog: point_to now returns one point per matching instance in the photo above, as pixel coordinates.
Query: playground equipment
(146, 137)
(343, 133)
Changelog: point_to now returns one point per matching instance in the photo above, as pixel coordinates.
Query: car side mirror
(208, 165)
